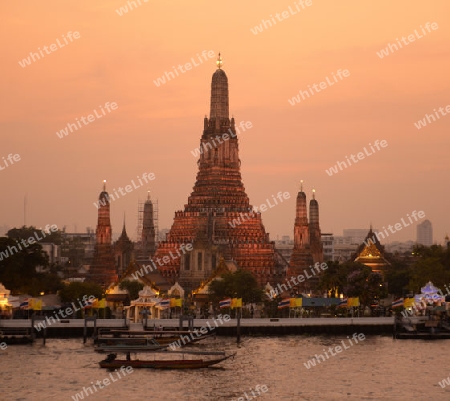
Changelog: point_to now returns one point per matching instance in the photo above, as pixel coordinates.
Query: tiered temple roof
(218, 218)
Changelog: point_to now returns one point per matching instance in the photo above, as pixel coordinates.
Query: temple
(103, 269)
(371, 253)
(218, 218)
(308, 248)
(148, 244)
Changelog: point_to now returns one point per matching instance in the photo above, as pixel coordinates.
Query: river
(376, 368)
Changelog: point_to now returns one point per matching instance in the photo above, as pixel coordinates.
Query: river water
(377, 368)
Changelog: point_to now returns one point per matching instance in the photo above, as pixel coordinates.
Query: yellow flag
(409, 302)
(31, 303)
(298, 301)
(353, 301)
(292, 302)
(38, 304)
(173, 302)
(102, 303)
(178, 302)
(239, 303)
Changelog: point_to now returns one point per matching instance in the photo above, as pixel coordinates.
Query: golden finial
(301, 185)
(219, 62)
(314, 194)
(104, 185)
(148, 195)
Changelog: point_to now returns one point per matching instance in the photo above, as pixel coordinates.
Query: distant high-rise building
(425, 233)
(103, 268)
(328, 246)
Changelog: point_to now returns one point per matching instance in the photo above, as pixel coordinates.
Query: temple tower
(218, 219)
(123, 251)
(302, 258)
(315, 238)
(103, 270)
(148, 230)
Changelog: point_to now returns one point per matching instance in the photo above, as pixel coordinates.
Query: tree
(25, 233)
(18, 264)
(240, 284)
(433, 264)
(76, 291)
(132, 286)
(332, 280)
(398, 275)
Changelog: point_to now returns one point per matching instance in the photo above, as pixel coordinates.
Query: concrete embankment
(265, 327)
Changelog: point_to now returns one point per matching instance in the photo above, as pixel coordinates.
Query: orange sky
(154, 129)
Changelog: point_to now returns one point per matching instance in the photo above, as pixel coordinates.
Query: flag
(296, 302)
(226, 303)
(88, 304)
(24, 304)
(102, 303)
(397, 303)
(409, 303)
(342, 303)
(236, 303)
(175, 302)
(31, 303)
(353, 301)
(37, 304)
(284, 303)
(164, 303)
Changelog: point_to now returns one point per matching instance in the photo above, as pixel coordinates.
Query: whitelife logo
(359, 156)
(90, 118)
(431, 118)
(187, 67)
(124, 9)
(10, 160)
(412, 37)
(128, 188)
(266, 24)
(33, 57)
(323, 85)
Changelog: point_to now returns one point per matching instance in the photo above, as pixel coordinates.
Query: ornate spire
(219, 94)
(314, 194)
(104, 185)
(301, 185)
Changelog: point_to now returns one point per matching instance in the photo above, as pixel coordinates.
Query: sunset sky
(155, 128)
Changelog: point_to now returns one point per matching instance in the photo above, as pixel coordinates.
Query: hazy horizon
(154, 129)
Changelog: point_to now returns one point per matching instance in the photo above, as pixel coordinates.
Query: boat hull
(162, 364)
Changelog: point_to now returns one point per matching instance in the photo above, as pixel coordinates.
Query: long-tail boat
(111, 362)
(146, 344)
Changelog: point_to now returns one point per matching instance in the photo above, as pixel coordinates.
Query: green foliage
(240, 284)
(132, 286)
(354, 280)
(398, 275)
(73, 291)
(24, 233)
(18, 266)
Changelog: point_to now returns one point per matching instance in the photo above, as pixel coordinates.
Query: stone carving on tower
(218, 220)
(103, 268)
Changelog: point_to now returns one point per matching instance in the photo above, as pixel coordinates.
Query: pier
(17, 330)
